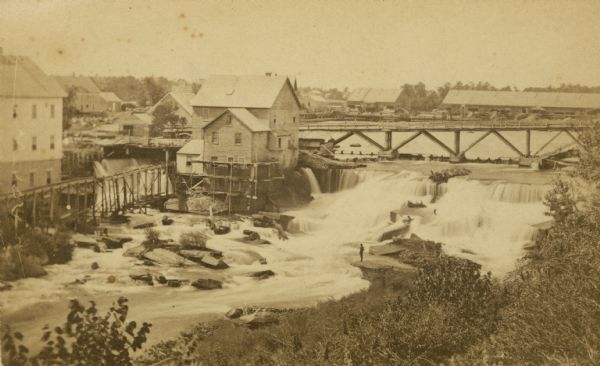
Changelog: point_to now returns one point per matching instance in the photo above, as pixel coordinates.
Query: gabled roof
(181, 98)
(522, 99)
(246, 118)
(110, 97)
(246, 91)
(129, 118)
(79, 83)
(194, 147)
(21, 77)
(374, 95)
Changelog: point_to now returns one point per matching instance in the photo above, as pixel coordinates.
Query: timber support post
(528, 143)
(388, 140)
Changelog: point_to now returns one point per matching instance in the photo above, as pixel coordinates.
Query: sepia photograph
(284, 182)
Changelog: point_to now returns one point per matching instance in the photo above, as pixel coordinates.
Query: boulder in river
(262, 275)
(207, 284)
(5, 286)
(391, 231)
(95, 266)
(234, 313)
(161, 279)
(176, 282)
(414, 250)
(195, 255)
(115, 242)
(213, 263)
(142, 277)
(111, 279)
(100, 247)
(83, 241)
(166, 257)
(136, 251)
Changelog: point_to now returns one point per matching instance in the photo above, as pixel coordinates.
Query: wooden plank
(439, 142)
(346, 135)
(476, 142)
(369, 140)
(507, 143)
(574, 138)
(400, 145)
(547, 143)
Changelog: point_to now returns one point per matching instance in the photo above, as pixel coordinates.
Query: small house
(189, 157)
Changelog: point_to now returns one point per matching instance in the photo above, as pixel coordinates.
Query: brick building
(31, 123)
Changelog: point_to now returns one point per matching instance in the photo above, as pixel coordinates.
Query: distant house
(31, 124)
(314, 102)
(179, 103)
(134, 125)
(112, 101)
(465, 101)
(374, 99)
(248, 119)
(87, 94)
(187, 155)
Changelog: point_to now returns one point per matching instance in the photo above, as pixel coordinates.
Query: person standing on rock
(361, 251)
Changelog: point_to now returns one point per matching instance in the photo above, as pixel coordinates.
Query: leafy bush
(28, 253)
(87, 338)
(193, 240)
(15, 263)
(153, 240)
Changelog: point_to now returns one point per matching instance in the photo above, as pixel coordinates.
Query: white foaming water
(518, 193)
(314, 265)
(314, 183)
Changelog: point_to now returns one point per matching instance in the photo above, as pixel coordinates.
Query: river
(486, 217)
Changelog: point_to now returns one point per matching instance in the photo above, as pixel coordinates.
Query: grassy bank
(400, 319)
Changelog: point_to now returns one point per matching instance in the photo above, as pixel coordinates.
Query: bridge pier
(527, 143)
(457, 157)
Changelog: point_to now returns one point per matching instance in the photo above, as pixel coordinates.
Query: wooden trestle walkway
(83, 200)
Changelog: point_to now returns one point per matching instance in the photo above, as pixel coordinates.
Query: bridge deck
(405, 126)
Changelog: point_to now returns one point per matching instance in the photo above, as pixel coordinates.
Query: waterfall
(518, 193)
(487, 223)
(314, 183)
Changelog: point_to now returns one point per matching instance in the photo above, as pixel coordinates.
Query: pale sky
(321, 43)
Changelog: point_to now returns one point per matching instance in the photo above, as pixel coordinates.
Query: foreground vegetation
(86, 338)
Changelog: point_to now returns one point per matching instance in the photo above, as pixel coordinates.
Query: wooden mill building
(31, 124)
(460, 102)
(248, 119)
(248, 126)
